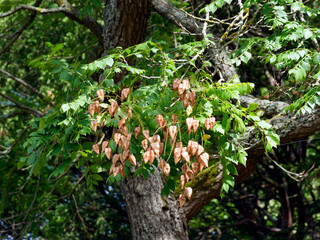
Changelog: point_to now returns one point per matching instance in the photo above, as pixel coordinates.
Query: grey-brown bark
(125, 22)
(151, 216)
(288, 126)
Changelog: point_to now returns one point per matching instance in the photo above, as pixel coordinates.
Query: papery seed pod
(184, 168)
(151, 156)
(165, 136)
(129, 137)
(94, 125)
(182, 181)
(156, 148)
(96, 106)
(204, 159)
(200, 167)
(91, 109)
(107, 151)
(185, 156)
(173, 131)
(104, 145)
(192, 98)
(195, 125)
(187, 178)
(176, 83)
(160, 120)
(172, 141)
(116, 171)
(166, 169)
(124, 131)
(100, 94)
(115, 158)
(162, 163)
(195, 168)
(156, 139)
(146, 157)
(132, 160)
(182, 200)
(200, 150)
(189, 122)
(137, 131)
(96, 148)
(181, 89)
(174, 119)
(124, 93)
(193, 148)
(177, 155)
(182, 96)
(188, 192)
(207, 123)
(122, 123)
(124, 142)
(111, 168)
(145, 144)
(186, 100)
(129, 113)
(124, 155)
(121, 170)
(164, 126)
(113, 108)
(117, 138)
(145, 133)
(179, 145)
(212, 121)
(190, 174)
(161, 147)
(186, 84)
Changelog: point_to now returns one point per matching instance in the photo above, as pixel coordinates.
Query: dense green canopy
(250, 68)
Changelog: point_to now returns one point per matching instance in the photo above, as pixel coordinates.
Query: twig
(80, 217)
(295, 176)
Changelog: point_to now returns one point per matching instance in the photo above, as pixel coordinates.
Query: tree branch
(208, 183)
(83, 19)
(66, 9)
(17, 34)
(23, 83)
(23, 107)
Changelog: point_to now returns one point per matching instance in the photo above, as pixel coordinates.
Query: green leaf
(252, 107)
(232, 169)
(96, 177)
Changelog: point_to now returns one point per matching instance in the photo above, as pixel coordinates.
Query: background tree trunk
(150, 215)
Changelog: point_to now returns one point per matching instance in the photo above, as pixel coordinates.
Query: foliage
(168, 84)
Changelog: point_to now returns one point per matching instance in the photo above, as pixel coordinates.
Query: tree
(182, 90)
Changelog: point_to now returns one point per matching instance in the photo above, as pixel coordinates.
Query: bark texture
(288, 126)
(150, 215)
(125, 22)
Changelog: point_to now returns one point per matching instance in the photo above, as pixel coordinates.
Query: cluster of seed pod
(187, 97)
(121, 136)
(192, 157)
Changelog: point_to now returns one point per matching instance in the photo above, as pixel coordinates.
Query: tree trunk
(150, 215)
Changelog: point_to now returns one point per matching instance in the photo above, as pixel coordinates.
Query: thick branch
(66, 9)
(23, 107)
(23, 83)
(289, 127)
(33, 9)
(176, 16)
(217, 53)
(17, 34)
(270, 108)
(83, 19)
